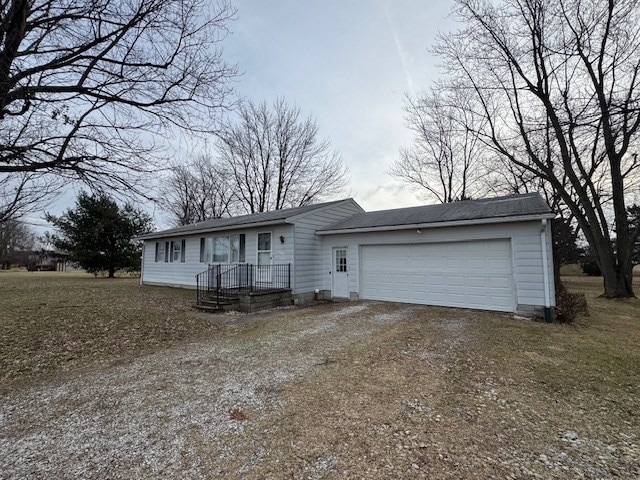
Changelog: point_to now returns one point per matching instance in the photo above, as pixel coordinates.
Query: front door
(340, 287)
(264, 258)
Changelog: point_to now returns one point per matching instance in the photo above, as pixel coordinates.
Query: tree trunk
(618, 278)
(616, 285)
(112, 272)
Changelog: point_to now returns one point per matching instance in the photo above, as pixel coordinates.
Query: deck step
(222, 302)
(209, 308)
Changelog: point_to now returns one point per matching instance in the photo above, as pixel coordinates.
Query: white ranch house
(489, 254)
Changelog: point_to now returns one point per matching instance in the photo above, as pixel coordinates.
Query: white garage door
(457, 274)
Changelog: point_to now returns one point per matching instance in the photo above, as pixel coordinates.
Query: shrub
(569, 305)
(590, 267)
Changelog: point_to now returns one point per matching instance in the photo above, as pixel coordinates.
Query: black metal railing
(225, 280)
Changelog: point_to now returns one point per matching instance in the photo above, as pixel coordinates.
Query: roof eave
(243, 226)
(456, 223)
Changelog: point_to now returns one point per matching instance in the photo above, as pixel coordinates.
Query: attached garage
(491, 254)
(475, 274)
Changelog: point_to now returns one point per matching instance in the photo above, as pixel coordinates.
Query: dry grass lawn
(367, 390)
(53, 322)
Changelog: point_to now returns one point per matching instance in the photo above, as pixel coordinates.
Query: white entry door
(340, 283)
(264, 258)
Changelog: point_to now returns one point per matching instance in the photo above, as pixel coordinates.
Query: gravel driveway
(147, 417)
(353, 390)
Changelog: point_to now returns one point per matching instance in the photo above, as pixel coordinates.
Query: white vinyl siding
(309, 261)
(184, 274)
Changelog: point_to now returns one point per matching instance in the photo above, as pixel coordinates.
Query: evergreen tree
(99, 234)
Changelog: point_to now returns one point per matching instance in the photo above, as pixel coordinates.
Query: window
(177, 251)
(223, 249)
(264, 248)
(341, 260)
(237, 245)
(159, 251)
(264, 242)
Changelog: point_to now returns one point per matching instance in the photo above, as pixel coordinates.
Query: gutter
(455, 223)
(184, 233)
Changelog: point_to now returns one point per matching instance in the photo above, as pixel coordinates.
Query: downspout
(144, 247)
(545, 272)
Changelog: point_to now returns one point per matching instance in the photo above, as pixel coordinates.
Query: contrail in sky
(404, 60)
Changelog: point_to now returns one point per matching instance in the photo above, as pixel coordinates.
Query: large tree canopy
(88, 87)
(558, 83)
(99, 234)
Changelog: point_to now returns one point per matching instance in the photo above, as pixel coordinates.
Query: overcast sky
(347, 63)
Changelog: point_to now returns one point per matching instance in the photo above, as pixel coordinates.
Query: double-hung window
(237, 248)
(177, 252)
(160, 251)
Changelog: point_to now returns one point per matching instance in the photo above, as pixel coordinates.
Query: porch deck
(243, 287)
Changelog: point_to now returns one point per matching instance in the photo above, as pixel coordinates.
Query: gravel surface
(352, 390)
(138, 419)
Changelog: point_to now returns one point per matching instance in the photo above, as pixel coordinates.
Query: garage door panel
(474, 274)
(476, 263)
(435, 280)
(457, 281)
(500, 282)
(479, 281)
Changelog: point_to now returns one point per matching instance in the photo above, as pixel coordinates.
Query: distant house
(47, 261)
(489, 254)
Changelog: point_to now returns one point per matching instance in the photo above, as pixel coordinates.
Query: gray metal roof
(257, 219)
(465, 211)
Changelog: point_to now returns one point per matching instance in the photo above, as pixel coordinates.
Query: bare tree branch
(90, 90)
(276, 160)
(445, 158)
(197, 191)
(557, 83)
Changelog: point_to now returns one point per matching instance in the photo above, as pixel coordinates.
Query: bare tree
(16, 241)
(444, 160)
(88, 88)
(22, 193)
(198, 190)
(558, 85)
(276, 160)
